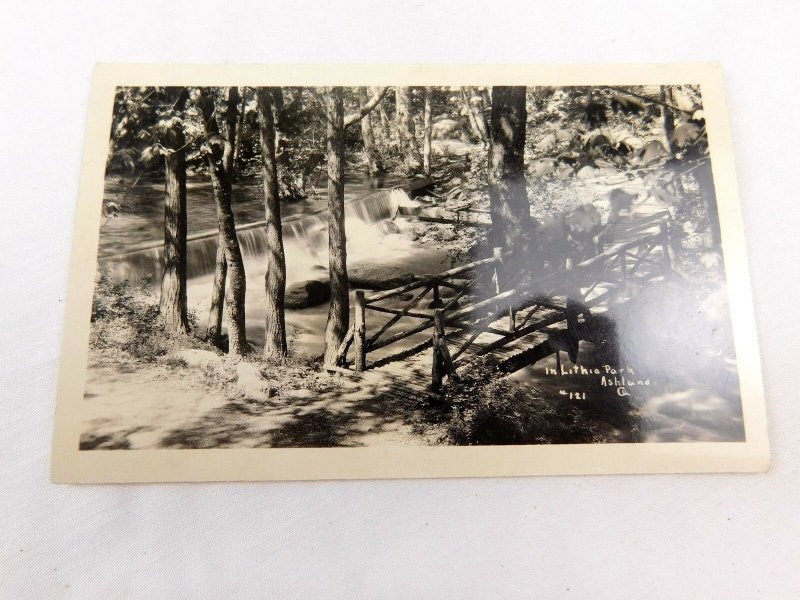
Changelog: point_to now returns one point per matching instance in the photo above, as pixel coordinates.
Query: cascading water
(305, 240)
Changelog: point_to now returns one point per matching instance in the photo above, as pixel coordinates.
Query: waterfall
(305, 239)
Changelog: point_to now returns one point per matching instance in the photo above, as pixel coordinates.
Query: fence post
(571, 287)
(500, 283)
(665, 247)
(438, 366)
(497, 254)
(360, 333)
(437, 300)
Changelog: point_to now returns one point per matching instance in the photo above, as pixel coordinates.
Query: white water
(305, 241)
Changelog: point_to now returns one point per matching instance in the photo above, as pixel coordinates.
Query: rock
(250, 383)
(420, 229)
(305, 294)
(586, 172)
(448, 129)
(378, 277)
(563, 171)
(542, 167)
(447, 235)
(546, 143)
(389, 227)
(564, 134)
(194, 358)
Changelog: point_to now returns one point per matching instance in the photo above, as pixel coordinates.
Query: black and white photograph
(422, 266)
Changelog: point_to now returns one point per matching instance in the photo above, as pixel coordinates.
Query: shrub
(488, 409)
(126, 325)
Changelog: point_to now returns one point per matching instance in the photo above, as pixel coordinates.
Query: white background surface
(706, 536)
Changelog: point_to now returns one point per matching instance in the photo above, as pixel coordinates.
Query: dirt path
(155, 407)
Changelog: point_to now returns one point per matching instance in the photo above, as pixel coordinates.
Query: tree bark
(426, 136)
(509, 207)
(476, 121)
(385, 129)
(214, 332)
(275, 277)
(405, 128)
(237, 146)
(665, 96)
(339, 309)
(219, 151)
(371, 158)
(173, 283)
(232, 132)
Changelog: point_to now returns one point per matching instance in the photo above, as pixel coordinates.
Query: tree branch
(365, 110)
(646, 98)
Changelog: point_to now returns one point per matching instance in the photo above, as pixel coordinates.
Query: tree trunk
(371, 158)
(508, 198)
(214, 332)
(339, 309)
(275, 277)
(173, 284)
(405, 127)
(665, 96)
(476, 121)
(237, 146)
(385, 129)
(232, 141)
(473, 124)
(426, 137)
(705, 183)
(220, 163)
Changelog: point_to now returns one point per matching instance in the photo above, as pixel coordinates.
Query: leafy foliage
(490, 410)
(126, 326)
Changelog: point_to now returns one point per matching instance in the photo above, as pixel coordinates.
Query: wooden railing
(462, 280)
(556, 296)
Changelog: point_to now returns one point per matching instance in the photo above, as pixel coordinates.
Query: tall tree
(339, 308)
(405, 128)
(477, 123)
(426, 135)
(173, 283)
(231, 138)
(385, 129)
(665, 95)
(371, 158)
(508, 198)
(275, 277)
(219, 153)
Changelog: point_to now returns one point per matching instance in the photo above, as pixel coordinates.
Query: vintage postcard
(318, 272)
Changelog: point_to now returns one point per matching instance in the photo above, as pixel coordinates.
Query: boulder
(378, 277)
(546, 143)
(389, 227)
(250, 383)
(447, 234)
(194, 358)
(542, 167)
(305, 294)
(448, 129)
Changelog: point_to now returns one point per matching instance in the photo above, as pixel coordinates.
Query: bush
(126, 325)
(488, 409)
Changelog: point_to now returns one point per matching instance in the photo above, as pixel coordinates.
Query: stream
(130, 248)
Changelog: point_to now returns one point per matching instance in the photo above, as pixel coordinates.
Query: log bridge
(481, 308)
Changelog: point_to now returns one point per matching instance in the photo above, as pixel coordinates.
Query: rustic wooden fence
(509, 309)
